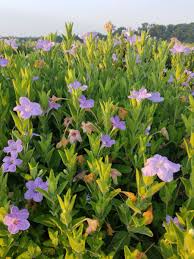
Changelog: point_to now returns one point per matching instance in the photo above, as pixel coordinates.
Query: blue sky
(38, 17)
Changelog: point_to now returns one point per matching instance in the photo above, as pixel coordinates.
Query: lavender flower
(155, 97)
(117, 123)
(114, 57)
(3, 62)
(147, 130)
(171, 79)
(86, 104)
(174, 220)
(160, 166)
(28, 108)
(116, 42)
(178, 48)
(139, 95)
(12, 43)
(45, 45)
(35, 78)
(14, 147)
(138, 59)
(107, 141)
(10, 163)
(31, 193)
(16, 220)
(53, 105)
(76, 85)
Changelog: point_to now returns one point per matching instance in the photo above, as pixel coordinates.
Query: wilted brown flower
(88, 127)
(114, 174)
(62, 143)
(164, 133)
(81, 159)
(148, 216)
(92, 225)
(122, 113)
(67, 121)
(55, 99)
(130, 195)
(39, 63)
(74, 136)
(109, 27)
(89, 178)
(109, 230)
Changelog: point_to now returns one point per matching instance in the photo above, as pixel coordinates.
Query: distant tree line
(183, 32)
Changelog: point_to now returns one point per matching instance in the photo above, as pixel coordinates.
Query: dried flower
(139, 95)
(74, 136)
(88, 127)
(148, 216)
(114, 174)
(92, 225)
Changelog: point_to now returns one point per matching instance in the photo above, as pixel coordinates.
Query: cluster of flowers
(144, 94)
(11, 162)
(44, 45)
(16, 220)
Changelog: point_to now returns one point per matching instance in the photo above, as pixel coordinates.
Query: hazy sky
(37, 17)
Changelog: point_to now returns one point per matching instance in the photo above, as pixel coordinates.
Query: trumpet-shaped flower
(160, 166)
(86, 104)
(107, 141)
(10, 163)
(31, 193)
(117, 123)
(3, 62)
(27, 108)
(14, 147)
(16, 220)
(140, 94)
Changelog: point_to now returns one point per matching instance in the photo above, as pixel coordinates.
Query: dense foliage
(97, 148)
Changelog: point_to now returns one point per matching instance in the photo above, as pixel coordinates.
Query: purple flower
(117, 123)
(169, 218)
(171, 79)
(35, 78)
(116, 42)
(114, 57)
(138, 59)
(131, 38)
(31, 193)
(140, 94)
(107, 141)
(160, 166)
(155, 97)
(86, 104)
(76, 85)
(53, 105)
(45, 45)
(10, 163)
(179, 48)
(16, 220)
(28, 108)
(3, 62)
(147, 130)
(14, 147)
(12, 43)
